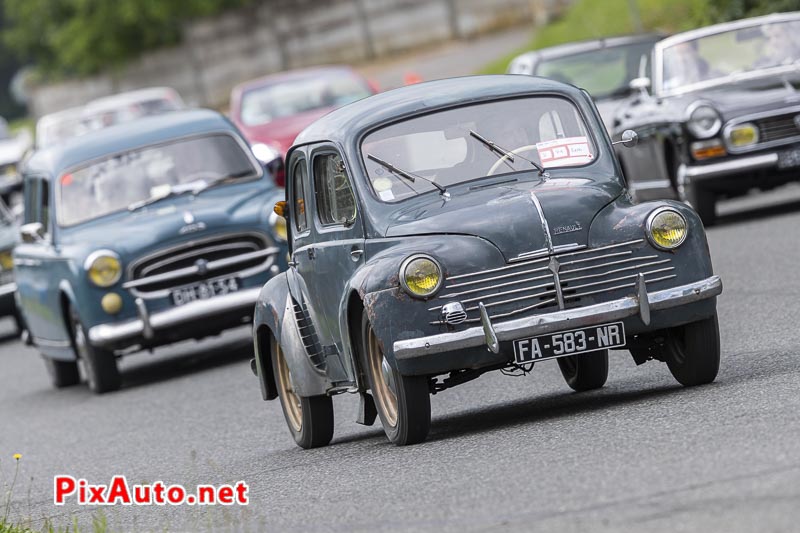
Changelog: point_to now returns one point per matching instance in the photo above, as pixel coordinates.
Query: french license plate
(204, 290)
(572, 342)
(789, 158)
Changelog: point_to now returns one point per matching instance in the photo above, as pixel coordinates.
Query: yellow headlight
(6, 260)
(667, 229)
(743, 135)
(421, 276)
(103, 268)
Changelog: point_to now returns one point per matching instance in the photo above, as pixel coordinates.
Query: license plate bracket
(789, 158)
(204, 290)
(572, 342)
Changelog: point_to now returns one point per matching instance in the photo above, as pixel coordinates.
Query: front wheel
(100, 366)
(62, 373)
(585, 372)
(693, 352)
(310, 418)
(403, 402)
(704, 202)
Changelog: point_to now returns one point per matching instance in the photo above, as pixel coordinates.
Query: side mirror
(32, 232)
(629, 139)
(640, 84)
(280, 208)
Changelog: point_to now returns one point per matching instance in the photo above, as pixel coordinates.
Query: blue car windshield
(462, 144)
(153, 172)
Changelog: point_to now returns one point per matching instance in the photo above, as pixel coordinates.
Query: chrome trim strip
(509, 284)
(210, 267)
(648, 185)
(617, 287)
(8, 288)
(495, 278)
(731, 167)
(111, 333)
(560, 320)
(613, 263)
(193, 252)
(52, 344)
(545, 226)
(498, 269)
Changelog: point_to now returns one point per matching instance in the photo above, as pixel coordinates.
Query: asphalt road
(642, 454)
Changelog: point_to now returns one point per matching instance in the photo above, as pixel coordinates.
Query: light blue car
(140, 235)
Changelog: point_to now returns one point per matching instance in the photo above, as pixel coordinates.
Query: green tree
(724, 10)
(84, 36)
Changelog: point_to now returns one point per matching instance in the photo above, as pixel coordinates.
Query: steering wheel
(506, 157)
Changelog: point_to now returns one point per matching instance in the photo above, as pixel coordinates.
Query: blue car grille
(585, 277)
(241, 254)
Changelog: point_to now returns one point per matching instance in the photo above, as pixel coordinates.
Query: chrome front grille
(584, 277)
(777, 128)
(240, 254)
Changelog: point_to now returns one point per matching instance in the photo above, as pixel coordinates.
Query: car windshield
(455, 145)
(605, 72)
(718, 57)
(153, 172)
(294, 96)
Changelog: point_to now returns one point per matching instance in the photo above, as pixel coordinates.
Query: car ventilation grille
(220, 256)
(778, 128)
(586, 277)
(309, 336)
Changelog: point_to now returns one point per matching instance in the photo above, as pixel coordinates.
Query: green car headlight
(666, 228)
(103, 268)
(421, 276)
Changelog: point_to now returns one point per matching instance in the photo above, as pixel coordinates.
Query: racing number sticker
(564, 152)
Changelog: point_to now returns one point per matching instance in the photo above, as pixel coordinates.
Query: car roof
(568, 49)
(347, 122)
(140, 95)
(122, 137)
(289, 75)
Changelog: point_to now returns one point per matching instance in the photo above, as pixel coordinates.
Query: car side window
(299, 174)
(336, 203)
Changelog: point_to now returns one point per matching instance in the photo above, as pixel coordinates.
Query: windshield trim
(416, 114)
(259, 168)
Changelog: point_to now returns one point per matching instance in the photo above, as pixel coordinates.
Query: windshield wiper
(507, 154)
(195, 188)
(407, 175)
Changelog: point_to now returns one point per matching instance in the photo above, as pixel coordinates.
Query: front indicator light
(103, 268)
(111, 303)
(743, 135)
(278, 224)
(6, 260)
(666, 228)
(707, 149)
(420, 276)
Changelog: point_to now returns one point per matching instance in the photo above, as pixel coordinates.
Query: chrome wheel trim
(290, 399)
(82, 349)
(384, 386)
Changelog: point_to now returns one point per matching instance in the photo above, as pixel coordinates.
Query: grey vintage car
(447, 229)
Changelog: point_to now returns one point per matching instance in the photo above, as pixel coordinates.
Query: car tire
(704, 202)
(62, 373)
(585, 372)
(403, 402)
(693, 352)
(309, 418)
(99, 366)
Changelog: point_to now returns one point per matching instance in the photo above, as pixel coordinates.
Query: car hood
(282, 132)
(752, 96)
(507, 215)
(177, 220)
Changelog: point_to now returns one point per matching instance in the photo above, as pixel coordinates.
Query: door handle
(355, 254)
(312, 253)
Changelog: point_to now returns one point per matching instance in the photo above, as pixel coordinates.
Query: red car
(271, 111)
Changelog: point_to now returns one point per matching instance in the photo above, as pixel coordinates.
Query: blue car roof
(347, 122)
(122, 137)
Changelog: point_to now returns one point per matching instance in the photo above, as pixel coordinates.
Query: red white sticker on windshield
(565, 152)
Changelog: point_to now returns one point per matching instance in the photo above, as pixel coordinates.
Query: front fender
(274, 318)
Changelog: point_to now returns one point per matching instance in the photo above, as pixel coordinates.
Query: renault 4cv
(450, 228)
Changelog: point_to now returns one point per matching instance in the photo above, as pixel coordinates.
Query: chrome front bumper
(724, 168)
(8, 288)
(490, 334)
(148, 325)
